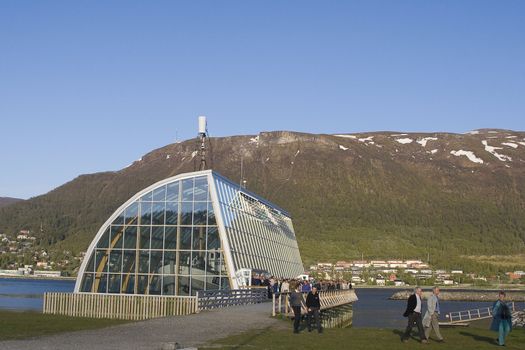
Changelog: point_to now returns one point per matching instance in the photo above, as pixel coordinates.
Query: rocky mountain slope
(4, 201)
(381, 194)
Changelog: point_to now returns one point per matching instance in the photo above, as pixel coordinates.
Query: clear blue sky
(89, 86)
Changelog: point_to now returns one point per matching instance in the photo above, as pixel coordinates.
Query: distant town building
(47, 273)
(379, 263)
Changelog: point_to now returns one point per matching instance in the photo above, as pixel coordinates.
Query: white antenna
(202, 137)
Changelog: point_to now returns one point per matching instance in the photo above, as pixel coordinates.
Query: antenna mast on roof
(202, 137)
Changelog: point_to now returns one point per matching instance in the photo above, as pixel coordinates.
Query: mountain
(4, 201)
(380, 194)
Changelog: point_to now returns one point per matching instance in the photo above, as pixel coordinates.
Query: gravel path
(191, 330)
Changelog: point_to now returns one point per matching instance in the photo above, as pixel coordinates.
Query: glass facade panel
(130, 237)
(104, 240)
(142, 284)
(145, 213)
(101, 258)
(200, 189)
(172, 192)
(185, 237)
(87, 283)
(159, 194)
(187, 190)
(172, 213)
(144, 261)
(155, 262)
(199, 238)
(101, 283)
(131, 214)
(114, 283)
(117, 233)
(128, 284)
(170, 238)
(158, 211)
(186, 213)
(145, 237)
(200, 215)
(115, 261)
(157, 237)
(155, 284)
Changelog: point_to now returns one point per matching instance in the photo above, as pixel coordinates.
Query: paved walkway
(188, 331)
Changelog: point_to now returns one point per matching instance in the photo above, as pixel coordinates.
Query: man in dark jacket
(314, 306)
(296, 302)
(413, 312)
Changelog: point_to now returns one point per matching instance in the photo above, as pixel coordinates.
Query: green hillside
(380, 196)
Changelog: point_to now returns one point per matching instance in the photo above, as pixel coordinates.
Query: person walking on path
(297, 303)
(501, 319)
(413, 312)
(431, 319)
(314, 306)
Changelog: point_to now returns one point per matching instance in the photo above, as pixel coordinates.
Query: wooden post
(273, 305)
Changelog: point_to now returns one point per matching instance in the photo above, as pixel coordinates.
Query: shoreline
(29, 277)
(463, 295)
(507, 288)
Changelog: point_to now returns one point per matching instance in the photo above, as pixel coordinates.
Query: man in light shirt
(413, 312)
(431, 319)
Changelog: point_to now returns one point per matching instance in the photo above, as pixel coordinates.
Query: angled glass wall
(260, 234)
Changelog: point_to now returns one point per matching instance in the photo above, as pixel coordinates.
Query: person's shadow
(401, 333)
(479, 337)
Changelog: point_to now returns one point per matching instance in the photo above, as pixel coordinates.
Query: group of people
(312, 305)
(501, 317)
(283, 285)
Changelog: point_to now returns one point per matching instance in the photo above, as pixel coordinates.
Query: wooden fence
(118, 306)
(328, 299)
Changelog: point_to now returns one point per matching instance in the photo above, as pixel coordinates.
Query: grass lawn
(365, 338)
(19, 325)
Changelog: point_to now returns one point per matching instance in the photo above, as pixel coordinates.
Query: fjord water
(373, 309)
(22, 294)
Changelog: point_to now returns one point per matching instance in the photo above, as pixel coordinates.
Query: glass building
(191, 232)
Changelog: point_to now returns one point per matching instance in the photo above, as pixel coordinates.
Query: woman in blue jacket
(501, 319)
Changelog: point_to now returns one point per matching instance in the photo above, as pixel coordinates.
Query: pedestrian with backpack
(501, 319)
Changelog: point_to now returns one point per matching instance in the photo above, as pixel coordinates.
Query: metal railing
(212, 299)
(473, 314)
(328, 299)
(118, 306)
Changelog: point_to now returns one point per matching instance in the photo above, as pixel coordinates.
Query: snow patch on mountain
(367, 139)
(492, 150)
(424, 140)
(404, 141)
(510, 144)
(255, 140)
(347, 136)
(472, 132)
(343, 147)
(469, 154)
(434, 151)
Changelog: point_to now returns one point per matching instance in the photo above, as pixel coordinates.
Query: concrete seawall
(463, 295)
